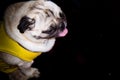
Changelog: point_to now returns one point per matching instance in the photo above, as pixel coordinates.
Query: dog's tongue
(62, 34)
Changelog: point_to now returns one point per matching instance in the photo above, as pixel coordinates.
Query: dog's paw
(35, 73)
(30, 72)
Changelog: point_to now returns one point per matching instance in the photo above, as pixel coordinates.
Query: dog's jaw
(44, 46)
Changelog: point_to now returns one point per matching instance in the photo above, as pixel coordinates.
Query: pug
(29, 28)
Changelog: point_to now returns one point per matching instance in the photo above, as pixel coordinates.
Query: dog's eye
(62, 15)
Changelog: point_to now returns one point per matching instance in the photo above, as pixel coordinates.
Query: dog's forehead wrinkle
(46, 9)
(48, 6)
(48, 12)
(42, 14)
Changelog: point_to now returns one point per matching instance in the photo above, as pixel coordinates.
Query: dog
(29, 28)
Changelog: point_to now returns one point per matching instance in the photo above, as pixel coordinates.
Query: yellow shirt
(10, 46)
(6, 68)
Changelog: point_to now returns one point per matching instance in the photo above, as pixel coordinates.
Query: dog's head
(37, 19)
(43, 21)
(35, 22)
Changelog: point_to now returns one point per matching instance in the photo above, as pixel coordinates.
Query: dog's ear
(24, 24)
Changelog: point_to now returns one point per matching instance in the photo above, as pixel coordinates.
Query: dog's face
(43, 21)
(35, 23)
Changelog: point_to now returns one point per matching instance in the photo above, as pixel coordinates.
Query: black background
(87, 50)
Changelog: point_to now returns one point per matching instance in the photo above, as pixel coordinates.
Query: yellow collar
(12, 47)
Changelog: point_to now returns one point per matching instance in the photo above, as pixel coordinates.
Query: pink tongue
(62, 34)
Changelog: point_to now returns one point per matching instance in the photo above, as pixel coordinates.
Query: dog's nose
(62, 26)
